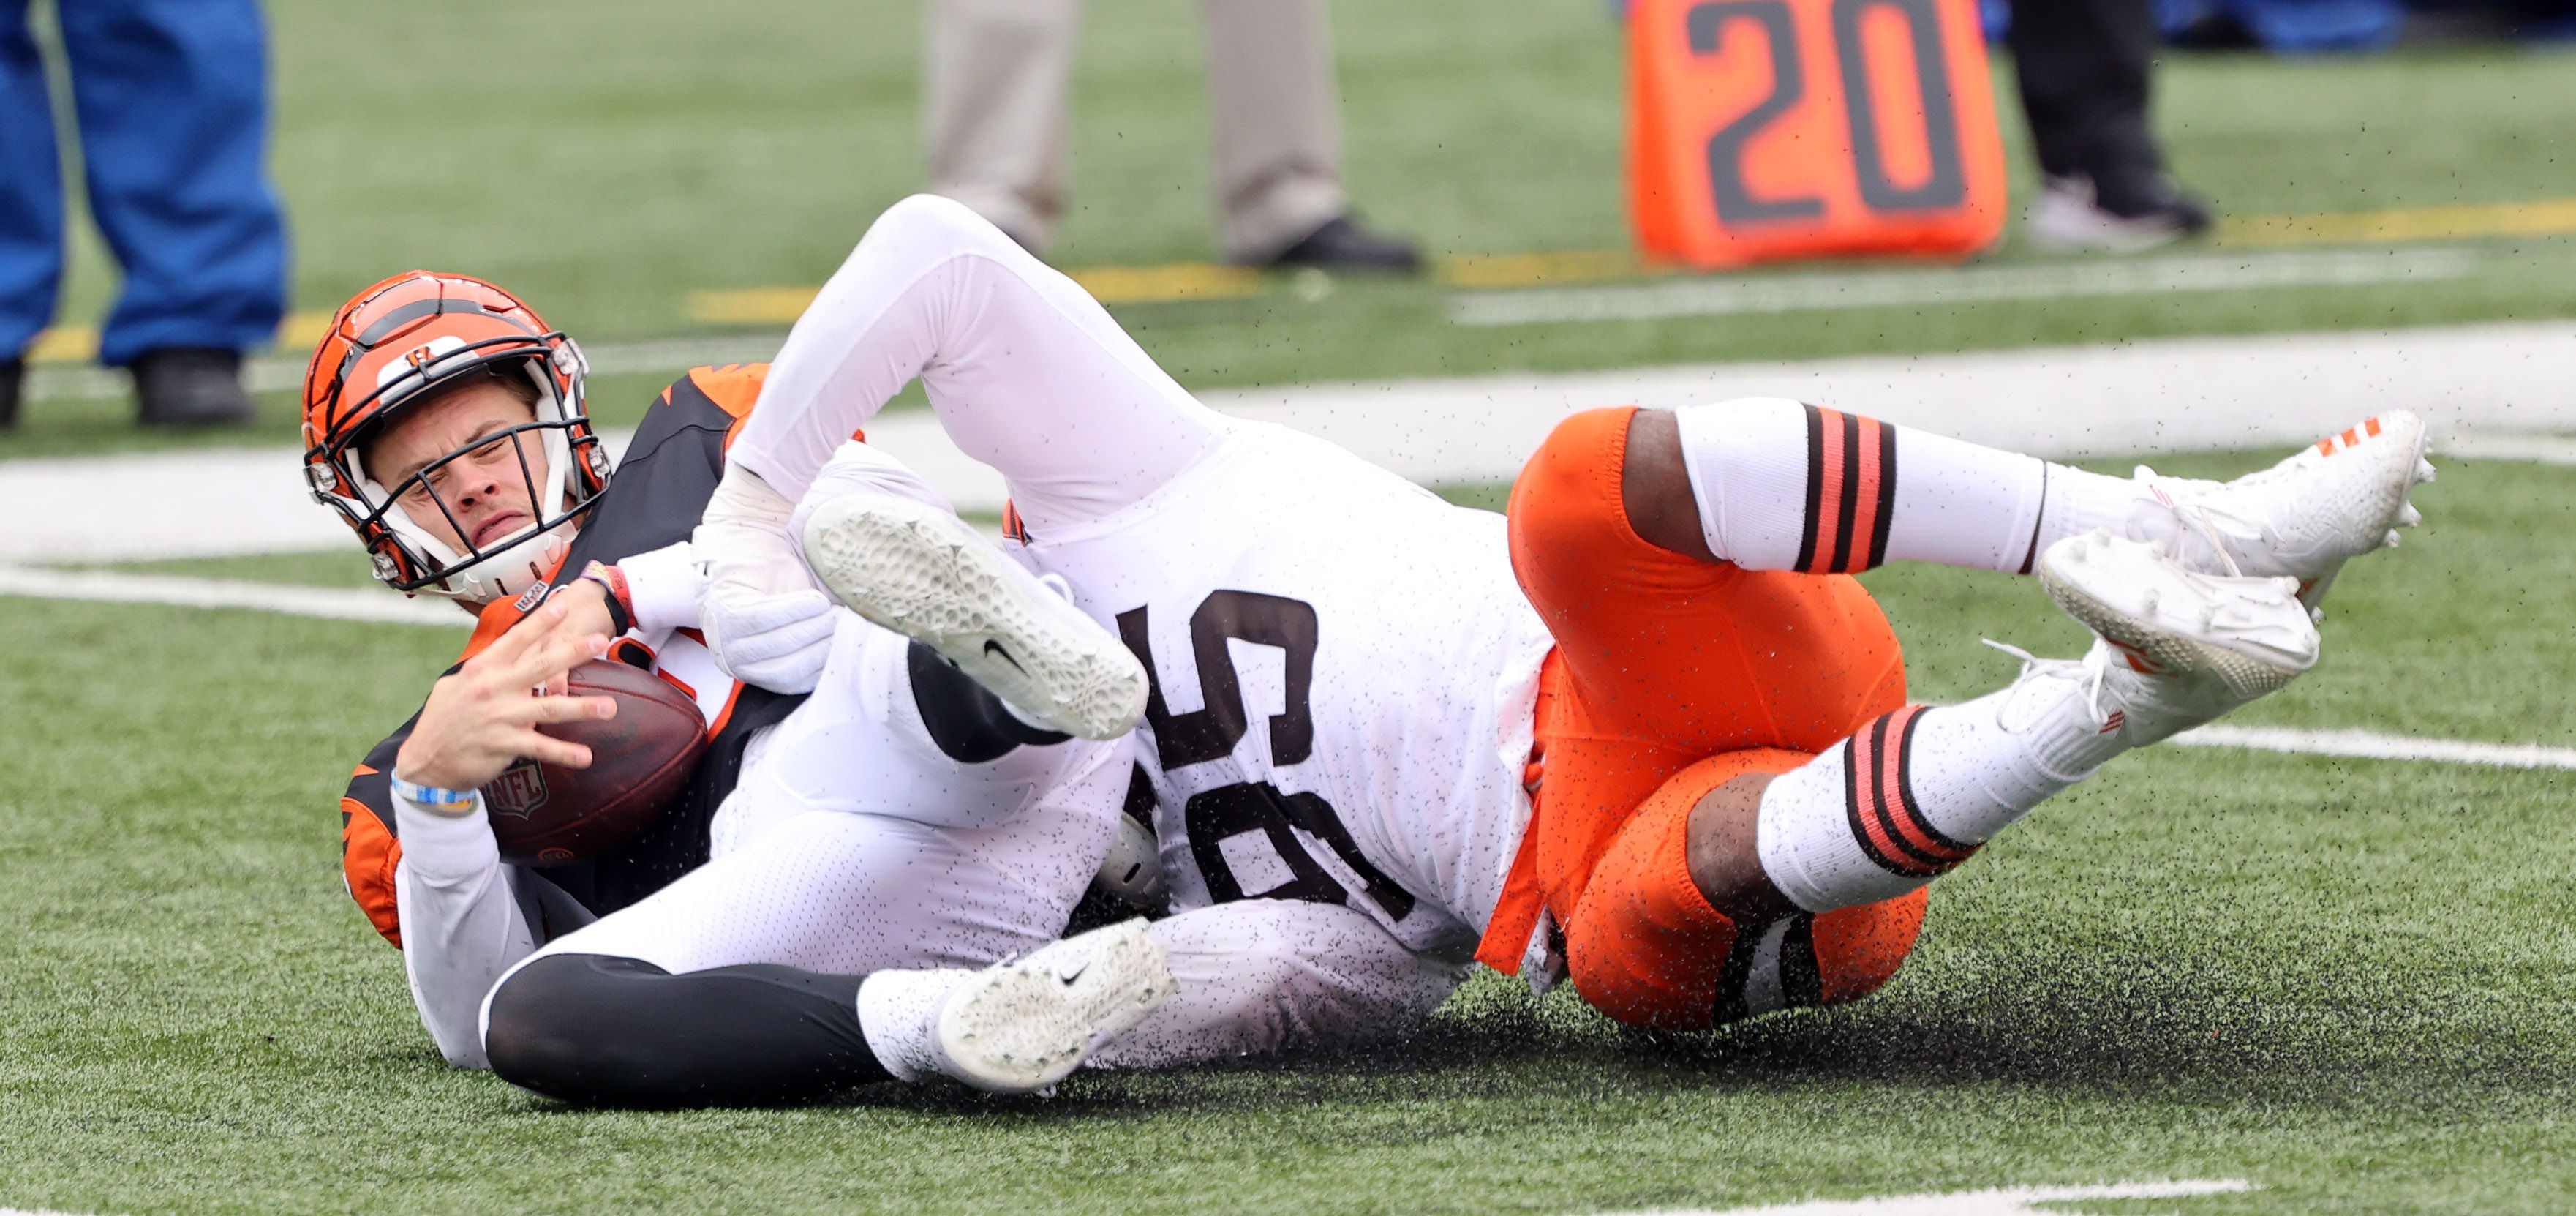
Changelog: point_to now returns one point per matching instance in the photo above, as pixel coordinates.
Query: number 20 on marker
(1763, 130)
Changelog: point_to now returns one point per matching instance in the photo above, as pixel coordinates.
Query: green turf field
(2345, 982)
(608, 158)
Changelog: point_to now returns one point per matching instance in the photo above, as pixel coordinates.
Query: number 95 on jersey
(1763, 130)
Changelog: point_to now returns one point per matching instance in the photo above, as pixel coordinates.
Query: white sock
(1785, 486)
(1917, 791)
(899, 1014)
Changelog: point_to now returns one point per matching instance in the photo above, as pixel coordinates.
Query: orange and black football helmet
(398, 343)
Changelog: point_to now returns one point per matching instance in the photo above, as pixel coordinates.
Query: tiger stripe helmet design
(400, 342)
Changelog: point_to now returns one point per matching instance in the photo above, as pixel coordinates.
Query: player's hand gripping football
(765, 619)
(483, 717)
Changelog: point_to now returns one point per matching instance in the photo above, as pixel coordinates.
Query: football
(548, 815)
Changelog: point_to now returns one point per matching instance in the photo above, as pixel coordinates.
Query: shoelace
(2198, 516)
(2096, 671)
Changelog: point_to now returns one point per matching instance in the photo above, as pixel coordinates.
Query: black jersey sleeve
(668, 473)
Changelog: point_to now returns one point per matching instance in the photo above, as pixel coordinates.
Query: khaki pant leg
(1275, 122)
(997, 91)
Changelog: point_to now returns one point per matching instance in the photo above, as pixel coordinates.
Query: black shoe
(191, 386)
(13, 379)
(2150, 194)
(1343, 245)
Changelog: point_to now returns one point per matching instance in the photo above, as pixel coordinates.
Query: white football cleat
(2337, 499)
(1021, 1026)
(2177, 648)
(925, 574)
(2173, 649)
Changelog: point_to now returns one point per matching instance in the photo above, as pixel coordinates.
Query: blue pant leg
(173, 103)
(31, 188)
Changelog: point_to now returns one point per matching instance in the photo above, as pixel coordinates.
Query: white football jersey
(1344, 671)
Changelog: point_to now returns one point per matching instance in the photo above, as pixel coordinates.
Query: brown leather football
(548, 815)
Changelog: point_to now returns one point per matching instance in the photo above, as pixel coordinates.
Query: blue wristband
(431, 796)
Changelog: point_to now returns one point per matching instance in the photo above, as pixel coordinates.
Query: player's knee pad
(551, 1025)
(1567, 497)
(1643, 945)
(932, 222)
(1858, 949)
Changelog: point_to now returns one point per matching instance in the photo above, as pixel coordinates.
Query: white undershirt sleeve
(662, 587)
(461, 923)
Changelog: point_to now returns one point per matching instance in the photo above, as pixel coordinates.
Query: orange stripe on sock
(1871, 773)
(1830, 473)
(1866, 516)
(1918, 836)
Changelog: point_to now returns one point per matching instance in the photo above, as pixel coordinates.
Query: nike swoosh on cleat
(993, 647)
(1068, 980)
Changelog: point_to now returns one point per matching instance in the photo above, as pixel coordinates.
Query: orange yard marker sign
(1761, 130)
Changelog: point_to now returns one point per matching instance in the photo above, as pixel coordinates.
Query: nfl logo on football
(519, 790)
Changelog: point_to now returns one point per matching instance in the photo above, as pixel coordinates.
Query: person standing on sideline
(2084, 67)
(1000, 82)
(171, 101)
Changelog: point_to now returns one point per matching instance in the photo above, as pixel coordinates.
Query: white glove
(765, 620)
(778, 642)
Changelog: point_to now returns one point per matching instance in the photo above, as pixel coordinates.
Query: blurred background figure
(171, 102)
(2084, 68)
(1000, 82)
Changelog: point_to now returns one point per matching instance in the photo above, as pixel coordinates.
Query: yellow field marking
(2542, 217)
(64, 344)
(751, 305)
(79, 343)
(1108, 284)
(1162, 284)
(1536, 269)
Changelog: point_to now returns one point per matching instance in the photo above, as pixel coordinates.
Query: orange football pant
(1671, 677)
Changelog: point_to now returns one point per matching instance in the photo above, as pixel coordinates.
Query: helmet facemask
(411, 558)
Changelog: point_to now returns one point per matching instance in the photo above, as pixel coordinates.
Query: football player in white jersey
(1646, 731)
(779, 931)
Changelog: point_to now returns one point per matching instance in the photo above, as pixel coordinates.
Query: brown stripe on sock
(1914, 829)
(1847, 501)
(1815, 486)
(1857, 772)
(1885, 513)
(2032, 554)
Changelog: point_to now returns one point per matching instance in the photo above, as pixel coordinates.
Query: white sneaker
(1021, 1026)
(2069, 218)
(2337, 499)
(924, 573)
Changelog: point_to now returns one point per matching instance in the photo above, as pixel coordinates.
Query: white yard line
(332, 603)
(1998, 1201)
(1968, 285)
(2373, 745)
(281, 373)
(2537, 449)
